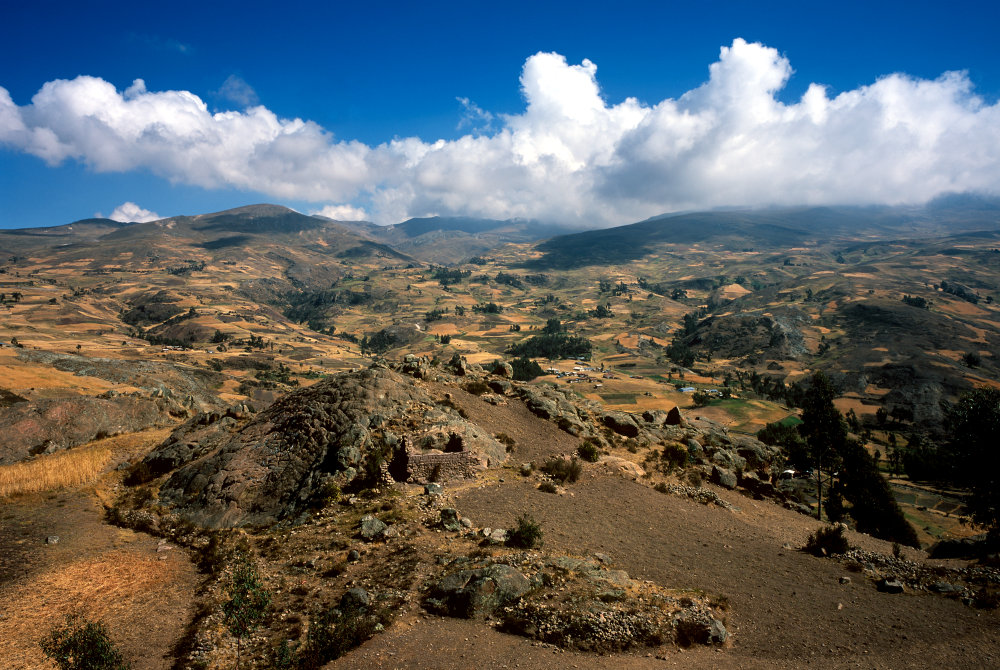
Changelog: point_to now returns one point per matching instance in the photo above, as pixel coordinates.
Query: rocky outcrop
(343, 430)
(477, 593)
(45, 426)
(575, 603)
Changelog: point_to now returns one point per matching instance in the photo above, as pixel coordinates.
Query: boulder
(501, 386)
(674, 418)
(371, 528)
(450, 519)
(887, 585)
(478, 593)
(355, 599)
(621, 422)
(272, 468)
(457, 366)
(723, 477)
(503, 370)
(700, 629)
(656, 417)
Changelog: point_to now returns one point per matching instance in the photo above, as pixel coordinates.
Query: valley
(258, 382)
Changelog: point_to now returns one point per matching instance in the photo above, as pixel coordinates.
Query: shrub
(588, 451)
(661, 487)
(548, 487)
(326, 494)
(674, 455)
(212, 556)
(527, 534)
(82, 645)
(506, 440)
(695, 478)
(333, 633)
(563, 469)
(476, 387)
(827, 541)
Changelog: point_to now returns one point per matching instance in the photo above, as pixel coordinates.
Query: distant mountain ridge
(773, 228)
(453, 239)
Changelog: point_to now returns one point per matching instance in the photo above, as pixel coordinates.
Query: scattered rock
(945, 587)
(355, 599)
(845, 580)
(52, 539)
(353, 556)
(886, 585)
(477, 593)
(450, 519)
(433, 489)
(494, 536)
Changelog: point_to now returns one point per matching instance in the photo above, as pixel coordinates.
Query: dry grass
(106, 588)
(66, 468)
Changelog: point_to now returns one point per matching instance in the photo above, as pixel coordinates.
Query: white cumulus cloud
(129, 212)
(570, 155)
(342, 213)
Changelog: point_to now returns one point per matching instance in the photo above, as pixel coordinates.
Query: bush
(588, 451)
(333, 633)
(139, 474)
(506, 440)
(82, 645)
(674, 455)
(527, 534)
(326, 494)
(548, 487)
(827, 542)
(563, 469)
(695, 478)
(476, 387)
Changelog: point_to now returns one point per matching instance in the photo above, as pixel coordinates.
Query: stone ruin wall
(457, 465)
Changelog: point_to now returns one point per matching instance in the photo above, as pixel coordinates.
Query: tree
(553, 326)
(701, 399)
(973, 424)
(248, 601)
(82, 645)
(823, 428)
(525, 369)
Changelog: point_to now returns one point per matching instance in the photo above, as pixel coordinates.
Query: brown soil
(787, 609)
(142, 590)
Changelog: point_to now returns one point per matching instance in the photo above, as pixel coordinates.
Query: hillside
(340, 401)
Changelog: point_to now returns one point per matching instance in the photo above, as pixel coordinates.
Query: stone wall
(457, 465)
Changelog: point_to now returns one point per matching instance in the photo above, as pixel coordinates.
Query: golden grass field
(54, 471)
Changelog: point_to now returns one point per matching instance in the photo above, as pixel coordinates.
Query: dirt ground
(142, 589)
(787, 609)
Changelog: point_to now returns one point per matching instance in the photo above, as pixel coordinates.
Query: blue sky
(585, 113)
